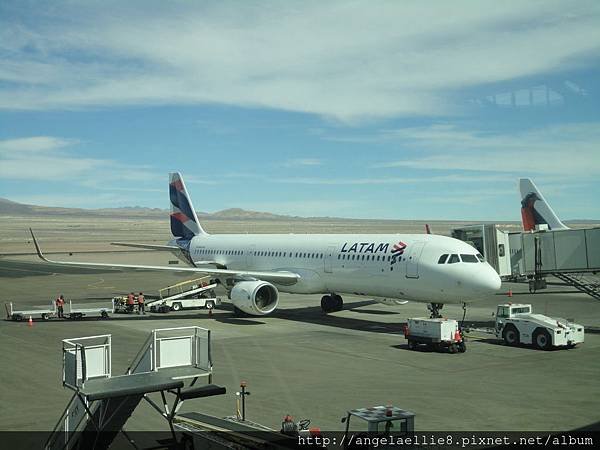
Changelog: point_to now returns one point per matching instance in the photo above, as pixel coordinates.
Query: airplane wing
(279, 277)
(169, 248)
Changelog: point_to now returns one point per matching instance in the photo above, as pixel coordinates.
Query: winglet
(37, 247)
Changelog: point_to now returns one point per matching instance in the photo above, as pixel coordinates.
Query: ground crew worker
(130, 302)
(60, 303)
(140, 300)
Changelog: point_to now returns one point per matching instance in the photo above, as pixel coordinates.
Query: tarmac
(302, 362)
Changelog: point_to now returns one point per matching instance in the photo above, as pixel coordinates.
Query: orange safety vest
(130, 299)
(140, 299)
(60, 302)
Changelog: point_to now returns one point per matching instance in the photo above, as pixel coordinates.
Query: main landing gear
(332, 303)
(435, 310)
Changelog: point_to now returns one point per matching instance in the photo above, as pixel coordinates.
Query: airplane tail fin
(535, 210)
(184, 222)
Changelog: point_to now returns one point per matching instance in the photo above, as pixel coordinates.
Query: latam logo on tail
(529, 214)
(535, 210)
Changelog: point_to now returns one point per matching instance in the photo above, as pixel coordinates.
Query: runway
(301, 362)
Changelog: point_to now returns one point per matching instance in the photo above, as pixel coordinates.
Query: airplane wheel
(338, 302)
(541, 339)
(327, 304)
(511, 335)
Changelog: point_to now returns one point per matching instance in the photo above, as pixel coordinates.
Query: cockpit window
(468, 258)
(453, 259)
(480, 257)
(443, 258)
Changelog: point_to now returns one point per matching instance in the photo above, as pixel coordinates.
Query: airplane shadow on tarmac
(314, 315)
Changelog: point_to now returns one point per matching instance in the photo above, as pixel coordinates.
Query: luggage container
(438, 334)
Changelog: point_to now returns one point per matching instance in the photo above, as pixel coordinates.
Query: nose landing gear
(435, 310)
(332, 303)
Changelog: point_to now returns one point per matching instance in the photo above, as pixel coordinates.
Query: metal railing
(86, 358)
(180, 286)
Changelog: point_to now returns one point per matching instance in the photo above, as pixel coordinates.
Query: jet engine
(257, 298)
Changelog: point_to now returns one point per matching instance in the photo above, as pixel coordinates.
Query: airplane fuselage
(384, 266)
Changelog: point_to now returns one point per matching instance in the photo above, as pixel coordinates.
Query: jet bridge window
(453, 259)
(468, 258)
(443, 258)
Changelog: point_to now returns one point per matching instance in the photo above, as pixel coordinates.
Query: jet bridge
(573, 256)
(102, 403)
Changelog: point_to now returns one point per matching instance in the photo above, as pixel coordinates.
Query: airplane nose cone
(488, 281)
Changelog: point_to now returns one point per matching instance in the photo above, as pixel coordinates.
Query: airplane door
(250, 257)
(328, 261)
(412, 259)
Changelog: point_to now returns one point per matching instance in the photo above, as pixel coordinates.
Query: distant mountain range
(10, 208)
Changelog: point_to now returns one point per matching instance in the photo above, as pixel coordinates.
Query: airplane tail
(535, 210)
(184, 222)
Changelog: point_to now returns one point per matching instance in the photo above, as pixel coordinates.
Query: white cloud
(54, 159)
(33, 144)
(358, 181)
(302, 162)
(345, 60)
(561, 150)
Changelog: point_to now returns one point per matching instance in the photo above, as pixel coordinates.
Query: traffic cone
(510, 292)
(30, 322)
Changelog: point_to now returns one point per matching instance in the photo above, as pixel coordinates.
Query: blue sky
(396, 110)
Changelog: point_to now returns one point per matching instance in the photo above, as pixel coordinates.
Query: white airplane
(535, 210)
(254, 268)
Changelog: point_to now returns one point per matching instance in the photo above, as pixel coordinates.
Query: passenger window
(468, 258)
(453, 259)
(443, 259)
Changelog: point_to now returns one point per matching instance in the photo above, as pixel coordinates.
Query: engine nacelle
(257, 298)
(390, 301)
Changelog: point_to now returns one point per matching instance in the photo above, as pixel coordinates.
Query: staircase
(102, 403)
(578, 281)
